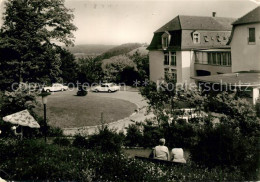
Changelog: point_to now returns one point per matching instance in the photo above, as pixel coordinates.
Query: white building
(245, 53)
(190, 46)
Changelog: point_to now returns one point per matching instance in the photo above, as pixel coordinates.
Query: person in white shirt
(161, 152)
(177, 155)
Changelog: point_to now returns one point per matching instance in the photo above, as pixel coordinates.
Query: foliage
(116, 67)
(106, 140)
(257, 108)
(225, 145)
(61, 141)
(90, 70)
(31, 33)
(19, 99)
(118, 50)
(161, 99)
(69, 68)
(230, 143)
(142, 64)
(57, 163)
(80, 142)
(134, 136)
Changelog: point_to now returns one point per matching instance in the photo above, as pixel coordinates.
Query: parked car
(106, 87)
(55, 87)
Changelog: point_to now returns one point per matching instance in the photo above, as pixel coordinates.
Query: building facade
(245, 42)
(245, 56)
(190, 46)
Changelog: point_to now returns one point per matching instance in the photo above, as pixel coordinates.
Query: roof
(251, 17)
(183, 22)
(234, 79)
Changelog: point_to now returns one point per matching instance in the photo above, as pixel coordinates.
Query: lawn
(64, 109)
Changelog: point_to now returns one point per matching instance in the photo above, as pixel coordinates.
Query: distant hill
(119, 50)
(89, 49)
(142, 50)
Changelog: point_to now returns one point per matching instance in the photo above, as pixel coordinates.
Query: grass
(64, 109)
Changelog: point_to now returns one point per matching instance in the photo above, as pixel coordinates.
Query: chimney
(214, 14)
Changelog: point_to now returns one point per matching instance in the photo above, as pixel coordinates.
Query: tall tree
(33, 31)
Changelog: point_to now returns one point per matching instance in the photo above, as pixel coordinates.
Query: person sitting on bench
(161, 152)
(177, 155)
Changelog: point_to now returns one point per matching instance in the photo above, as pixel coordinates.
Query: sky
(114, 22)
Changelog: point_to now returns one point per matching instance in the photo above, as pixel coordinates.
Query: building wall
(185, 66)
(213, 69)
(156, 59)
(245, 57)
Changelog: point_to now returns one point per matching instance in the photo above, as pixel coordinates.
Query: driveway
(138, 116)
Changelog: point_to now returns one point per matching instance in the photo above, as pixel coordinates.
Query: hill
(89, 49)
(142, 50)
(119, 50)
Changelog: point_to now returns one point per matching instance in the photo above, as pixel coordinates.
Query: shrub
(180, 134)
(257, 107)
(61, 141)
(151, 135)
(106, 141)
(134, 136)
(80, 142)
(57, 163)
(224, 145)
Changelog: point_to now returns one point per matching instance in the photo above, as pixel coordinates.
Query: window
(166, 59)
(196, 37)
(224, 58)
(174, 74)
(165, 42)
(251, 38)
(214, 60)
(173, 59)
(219, 58)
(206, 38)
(170, 73)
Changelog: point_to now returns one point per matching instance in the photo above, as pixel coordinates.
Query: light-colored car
(55, 87)
(106, 87)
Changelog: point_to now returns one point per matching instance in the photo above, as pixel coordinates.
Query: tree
(69, 67)
(115, 66)
(90, 70)
(32, 32)
(142, 64)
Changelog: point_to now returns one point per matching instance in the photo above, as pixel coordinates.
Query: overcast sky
(118, 22)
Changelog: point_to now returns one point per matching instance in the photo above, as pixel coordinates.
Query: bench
(158, 161)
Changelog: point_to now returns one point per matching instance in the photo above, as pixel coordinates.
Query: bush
(180, 134)
(61, 141)
(57, 163)
(134, 136)
(106, 141)
(224, 145)
(257, 108)
(151, 136)
(80, 142)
